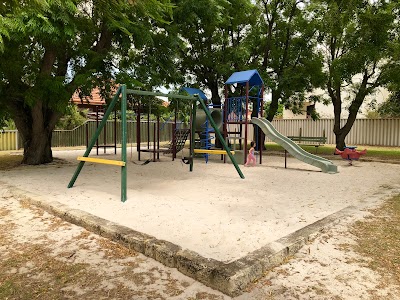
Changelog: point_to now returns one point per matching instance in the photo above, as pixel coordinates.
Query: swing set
(121, 94)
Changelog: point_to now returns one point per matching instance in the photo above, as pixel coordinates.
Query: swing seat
(102, 161)
(211, 151)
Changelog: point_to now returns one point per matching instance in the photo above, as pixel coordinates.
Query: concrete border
(229, 278)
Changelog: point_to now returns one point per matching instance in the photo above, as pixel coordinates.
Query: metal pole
(146, 93)
(192, 133)
(97, 126)
(154, 141)
(105, 138)
(174, 131)
(246, 123)
(285, 157)
(148, 125)
(138, 135)
(225, 117)
(158, 137)
(115, 132)
(123, 145)
(87, 133)
(262, 139)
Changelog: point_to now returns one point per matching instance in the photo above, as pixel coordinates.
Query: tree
(391, 107)
(279, 111)
(284, 41)
(213, 38)
(360, 43)
(50, 48)
(73, 118)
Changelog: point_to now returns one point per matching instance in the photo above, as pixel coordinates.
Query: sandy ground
(112, 272)
(211, 210)
(321, 270)
(326, 269)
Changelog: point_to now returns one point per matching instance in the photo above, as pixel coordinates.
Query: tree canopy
(391, 107)
(284, 41)
(360, 44)
(214, 42)
(50, 48)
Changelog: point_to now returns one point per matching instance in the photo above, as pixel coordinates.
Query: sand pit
(211, 210)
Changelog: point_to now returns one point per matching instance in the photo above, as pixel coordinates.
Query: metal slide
(269, 130)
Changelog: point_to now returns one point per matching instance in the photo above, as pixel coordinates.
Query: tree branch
(287, 41)
(104, 42)
(48, 60)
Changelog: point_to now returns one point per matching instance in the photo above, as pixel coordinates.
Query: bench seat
(315, 141)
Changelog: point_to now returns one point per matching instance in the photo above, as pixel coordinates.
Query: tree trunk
(340, 143)
(273, 107)
(337, 108)
(215, 98)
(35, 125)
(341, 133)
(37, 148)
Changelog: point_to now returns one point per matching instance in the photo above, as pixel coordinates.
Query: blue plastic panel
(193, 91)
(250, 76)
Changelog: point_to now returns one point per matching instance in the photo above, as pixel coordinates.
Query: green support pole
(123, 145)
(219, 135)
(146, 93)
(192, 134)
(95, 136)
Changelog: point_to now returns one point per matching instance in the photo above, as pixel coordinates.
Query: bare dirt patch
(378, 239)
(43, 257)
(351, 260)
(47, 258)
(8, 162)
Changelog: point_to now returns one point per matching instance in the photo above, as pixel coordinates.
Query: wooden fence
(374, 132)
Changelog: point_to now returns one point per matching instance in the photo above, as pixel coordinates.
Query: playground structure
(243, 90)
(121, 95)
(202, 125)
(350, 154)
(269, 130)
(243, 98)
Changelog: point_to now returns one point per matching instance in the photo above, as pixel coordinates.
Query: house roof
(242, 77)
(193, 91)
(95, 99)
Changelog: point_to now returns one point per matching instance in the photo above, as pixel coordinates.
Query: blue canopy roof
(193, 91)
(250, 76)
